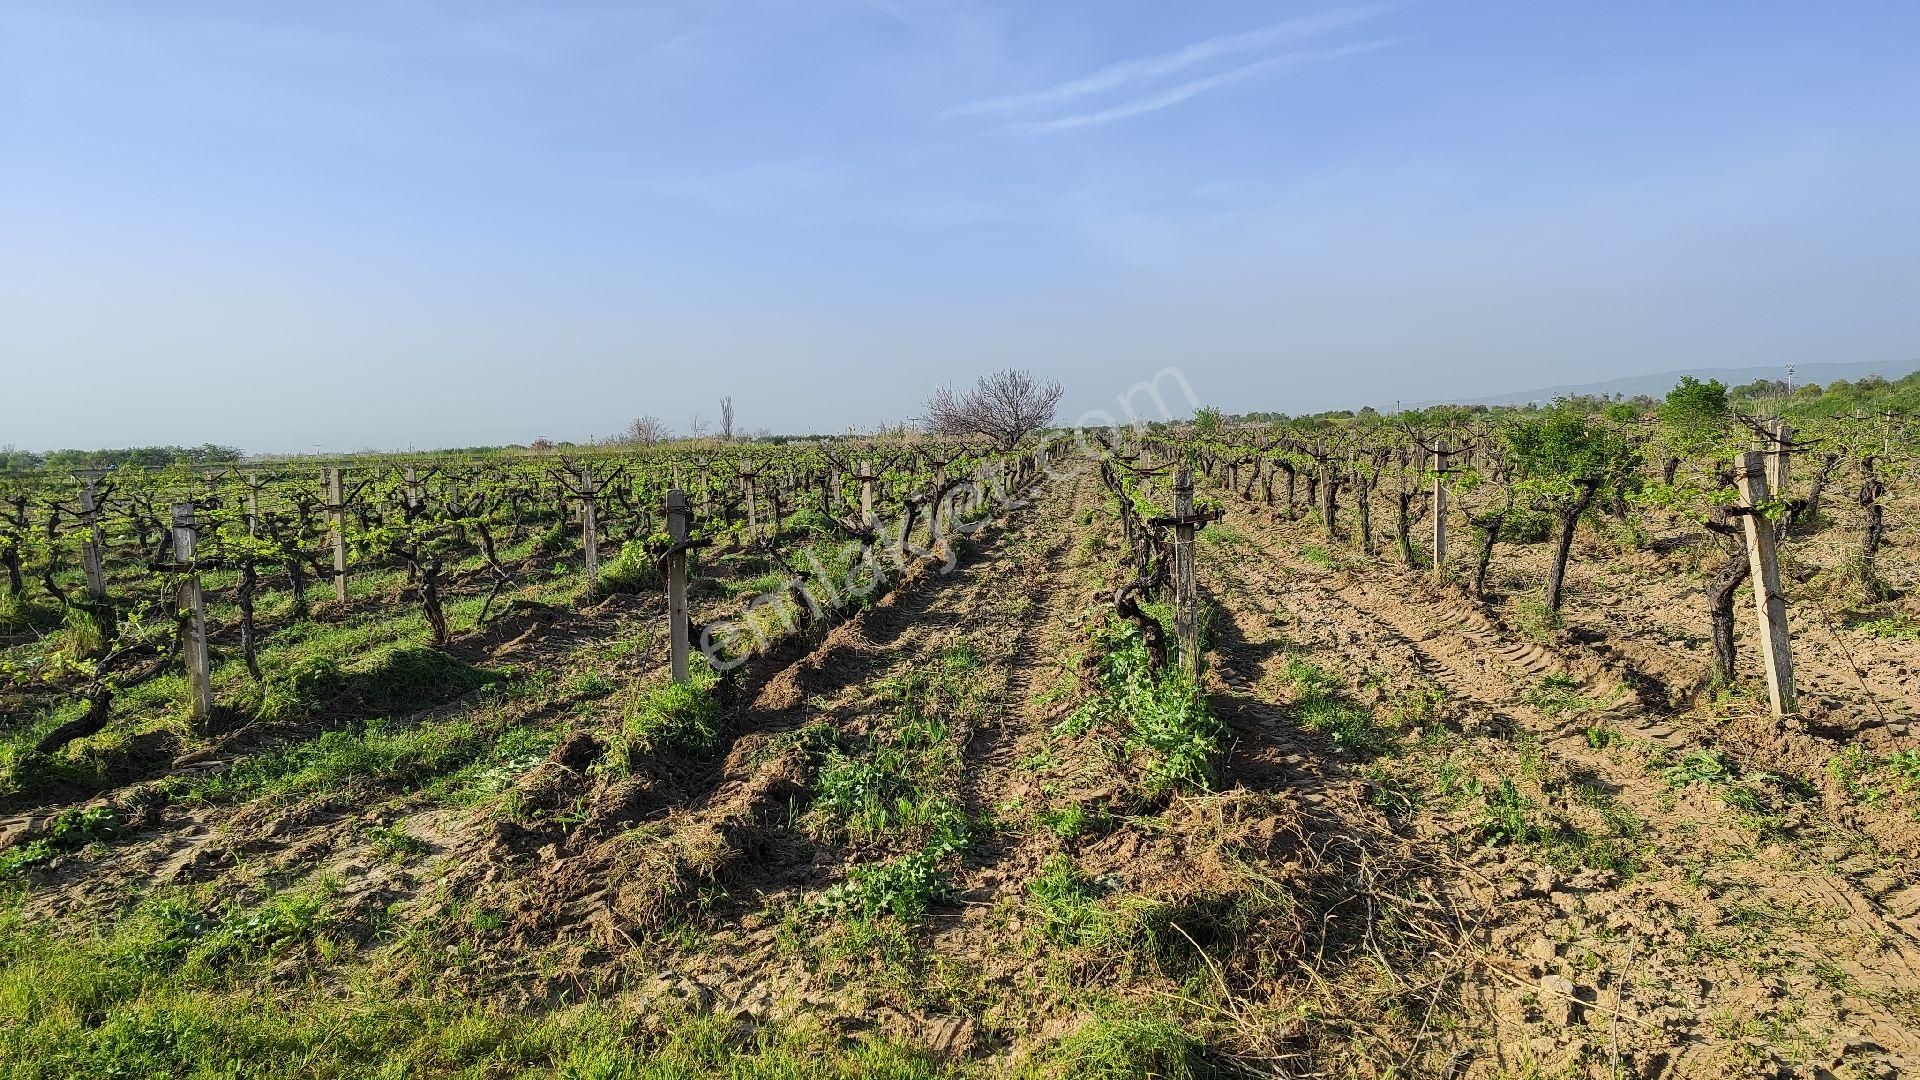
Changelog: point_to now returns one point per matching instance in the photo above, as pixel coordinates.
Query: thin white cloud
(1128, 72)
(1174, 95)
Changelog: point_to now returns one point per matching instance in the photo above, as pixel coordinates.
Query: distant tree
(1694, 418)
(726, 418)
(1692, 404)
(697, 427)
(646, 431)
(1007, 407)
(1566, 461)
(1207, 421)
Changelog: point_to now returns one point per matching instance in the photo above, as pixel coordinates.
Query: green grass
(633, 570)
(1316, 555)
(347, 674)
(1891, 628)
(1508, 818)
(393, 843)
(905, 887)
(897, 790)
(1068, 821)
(1068, 905)
(889, 789)
(172, 991)
(1537, 622)
(402, 757)
(1876, 777)
(683, 718)
(72, 829)
(1127, 1042)
(1323, 708)
(1557, 694)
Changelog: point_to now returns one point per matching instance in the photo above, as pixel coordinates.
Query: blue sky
(290, 226)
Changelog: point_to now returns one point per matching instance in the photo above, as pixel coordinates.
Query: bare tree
(1007, 406)
(726, 418)
(646, 431)
(697, 427)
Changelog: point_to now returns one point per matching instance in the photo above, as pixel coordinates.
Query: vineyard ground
(1439, 842)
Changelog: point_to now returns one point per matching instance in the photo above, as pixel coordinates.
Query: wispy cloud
(1174, 95)
(1143, 69)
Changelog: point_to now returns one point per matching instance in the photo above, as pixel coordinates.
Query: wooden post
(679, 525)
(589, 531)
(1440, 458)
(91, 547)
(337, 503)
(1329, 514)
(193, 606)
(1769, 599)
(1186, 592)
(866, 493)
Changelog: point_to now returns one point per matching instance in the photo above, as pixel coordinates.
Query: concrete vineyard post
(866, 493)
(1779, 436)
(193, 607)
(589, 529)
(1769, 599)
(1186, 593)
(91, 547)
(1440, 511)
(337, 503)
(679, 526)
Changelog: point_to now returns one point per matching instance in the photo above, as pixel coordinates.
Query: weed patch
(1323, 708)
(1167, 719)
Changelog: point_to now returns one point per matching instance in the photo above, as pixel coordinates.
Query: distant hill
(1657, 385)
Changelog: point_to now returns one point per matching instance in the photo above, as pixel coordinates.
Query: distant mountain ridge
(1658, 384)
